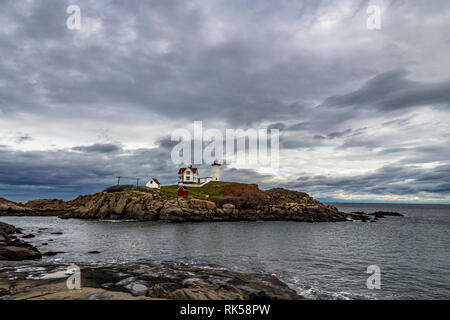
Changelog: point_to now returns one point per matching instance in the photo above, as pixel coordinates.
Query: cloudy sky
(364, 115)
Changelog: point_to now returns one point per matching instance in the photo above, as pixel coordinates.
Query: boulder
(382, 214)
(6, 228)
(52, 253)
(228, 208)
(12, 248)
(137, 289)
(19, 253)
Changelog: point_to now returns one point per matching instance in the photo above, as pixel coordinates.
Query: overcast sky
(363, 114)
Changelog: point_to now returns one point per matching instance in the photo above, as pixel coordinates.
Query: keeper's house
(189, 175)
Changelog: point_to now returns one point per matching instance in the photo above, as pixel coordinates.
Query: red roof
(194, 170)
(156, 180)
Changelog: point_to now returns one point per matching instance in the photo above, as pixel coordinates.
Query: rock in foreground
(15, 249)
(143, 281)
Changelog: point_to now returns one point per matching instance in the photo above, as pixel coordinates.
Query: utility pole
(137, 182)
(118, 179)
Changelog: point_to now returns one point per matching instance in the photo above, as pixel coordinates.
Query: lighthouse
(215, 171)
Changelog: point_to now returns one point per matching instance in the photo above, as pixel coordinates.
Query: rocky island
(216, 201)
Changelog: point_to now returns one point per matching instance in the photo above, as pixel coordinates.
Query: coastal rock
(52, 253)
(382, 214)
(276, 204)
(361, 216)
(18, 253)
(15, 249)
(142, 206)
(10, 208)
(187, 210)
(137, 289)
(7, 229)
(228, 208)
(48, 207)
(145, 281)
(190, 283)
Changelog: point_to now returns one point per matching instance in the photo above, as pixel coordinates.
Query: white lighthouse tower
(215, 171)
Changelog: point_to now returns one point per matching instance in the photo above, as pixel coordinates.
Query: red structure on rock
(182, 192)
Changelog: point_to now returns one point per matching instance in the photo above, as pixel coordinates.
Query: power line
(123, 177)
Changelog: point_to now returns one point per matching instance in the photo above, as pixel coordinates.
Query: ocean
(319, 260)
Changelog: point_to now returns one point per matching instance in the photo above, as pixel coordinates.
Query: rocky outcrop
(276, 204)
(235, 202)
(15, 249)
(43, 207)
(144, 281)
(11, 208)
(383, 214)
(142, 206)
(189, 210)
(202, 210)
(47, 206)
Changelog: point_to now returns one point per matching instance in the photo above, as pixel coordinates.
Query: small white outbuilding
(153, 183)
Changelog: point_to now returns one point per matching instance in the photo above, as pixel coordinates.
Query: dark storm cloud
(397, 122)
(194, 77)
(332, 135)
(248, 176)
(166, 143)
(66, 174)
(299, 126)
(361, 142)
(392, 91)
(239, 64)
(98, 147)
(394, 180)
(218, 81)
(279, 126)
(338, 134)
(298, 142)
